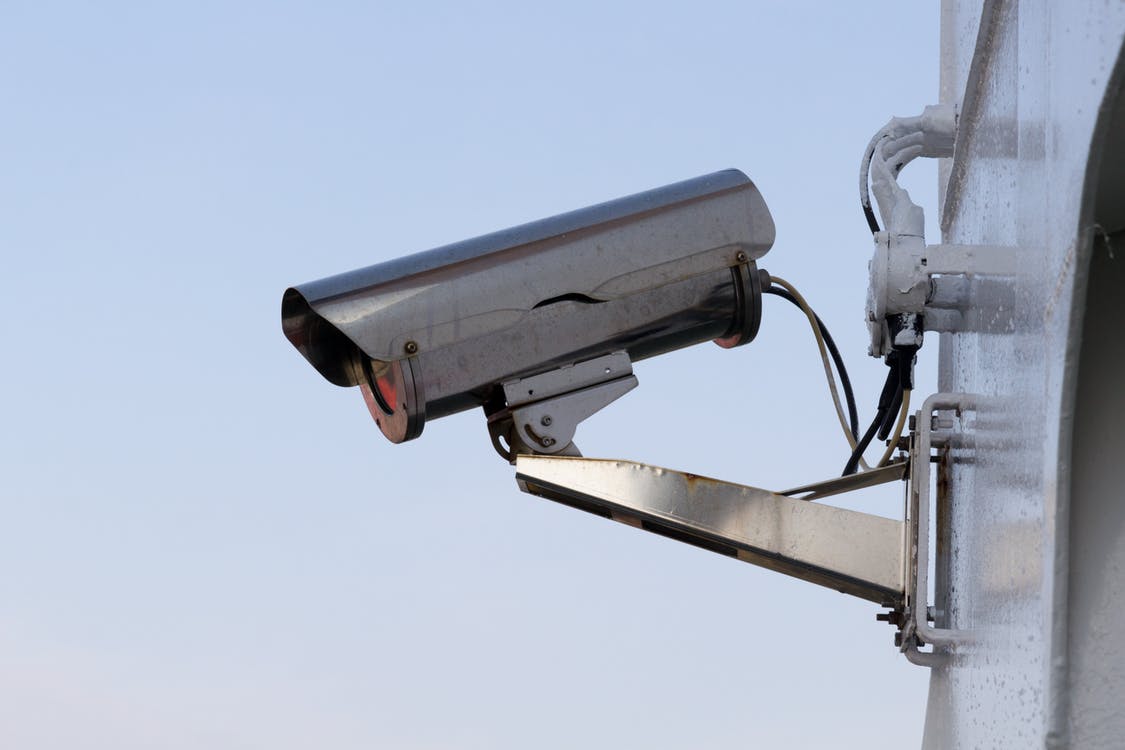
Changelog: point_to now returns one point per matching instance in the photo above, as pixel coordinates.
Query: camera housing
(442, 331)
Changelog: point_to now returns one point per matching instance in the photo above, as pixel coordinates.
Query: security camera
(540, 324)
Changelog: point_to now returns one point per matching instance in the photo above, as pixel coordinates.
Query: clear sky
(204, 544)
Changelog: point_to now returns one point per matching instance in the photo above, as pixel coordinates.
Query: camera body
(442, 331)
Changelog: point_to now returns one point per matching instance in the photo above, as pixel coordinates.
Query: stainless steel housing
(438, 332)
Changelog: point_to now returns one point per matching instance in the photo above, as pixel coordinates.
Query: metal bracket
(879, 559)
(908, 276)
(855, 553)
(955, 271)
(543, 411)
(971, 260)
(915, 622)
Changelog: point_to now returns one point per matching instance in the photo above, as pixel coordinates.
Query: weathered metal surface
(1031, 86)
(856, 553)
(892, 472)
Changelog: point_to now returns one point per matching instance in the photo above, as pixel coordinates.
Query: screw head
(547, 442)
(741, 257)
(546, 420)
(411, 347)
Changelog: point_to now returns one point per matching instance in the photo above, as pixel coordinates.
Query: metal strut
(879, 559)
(855, 553)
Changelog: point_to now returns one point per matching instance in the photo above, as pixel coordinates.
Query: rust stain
(693, 479)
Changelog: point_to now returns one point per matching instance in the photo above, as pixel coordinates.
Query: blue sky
(205, 544)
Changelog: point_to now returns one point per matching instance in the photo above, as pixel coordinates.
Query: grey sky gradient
(203, 544)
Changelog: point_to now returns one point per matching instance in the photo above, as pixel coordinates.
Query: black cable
(861, 446)
(891, 416)
(902, 360)
(872, 223)
(886, 398)
(900, 379)
(865, 190)
(845, 382)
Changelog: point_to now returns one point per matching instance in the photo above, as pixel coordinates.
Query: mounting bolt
(547, 442)
(741, 257)
(546, 420)
(411, 347)
(894, 617)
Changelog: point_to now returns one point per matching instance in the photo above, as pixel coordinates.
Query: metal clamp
(910, 277)
(916, 623)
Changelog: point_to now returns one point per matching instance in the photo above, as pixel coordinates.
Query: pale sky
(204, 544)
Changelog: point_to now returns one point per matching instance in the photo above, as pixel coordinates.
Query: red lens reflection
(386, 385)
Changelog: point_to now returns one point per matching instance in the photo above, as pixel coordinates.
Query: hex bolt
(411, 347)
(894, 617)
(546, 420)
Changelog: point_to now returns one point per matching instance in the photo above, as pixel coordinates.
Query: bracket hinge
(542, 412)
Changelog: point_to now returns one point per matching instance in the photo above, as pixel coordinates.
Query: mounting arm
(855, 553)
